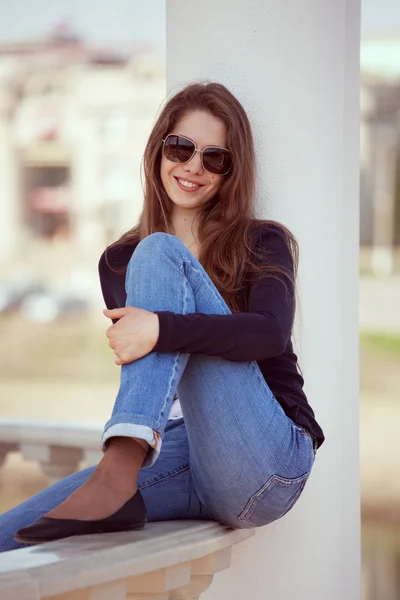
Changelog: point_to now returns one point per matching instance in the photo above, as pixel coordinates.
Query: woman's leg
(167, 489)
(248, 459)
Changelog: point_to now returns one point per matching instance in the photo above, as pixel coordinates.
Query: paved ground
(380, 457)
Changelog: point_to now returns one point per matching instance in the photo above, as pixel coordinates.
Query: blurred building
(380, 149)
(73, 125)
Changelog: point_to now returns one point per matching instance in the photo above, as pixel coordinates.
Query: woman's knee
(149, 250)
(158, 241)
(153, 250)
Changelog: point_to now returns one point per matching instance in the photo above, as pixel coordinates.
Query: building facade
(73, 126)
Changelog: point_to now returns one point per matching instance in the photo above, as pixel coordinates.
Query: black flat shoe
(132, 515)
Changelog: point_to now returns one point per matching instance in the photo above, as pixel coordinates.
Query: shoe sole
(21, 540)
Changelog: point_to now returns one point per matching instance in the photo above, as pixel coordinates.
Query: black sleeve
(262, 332)
(106, 289)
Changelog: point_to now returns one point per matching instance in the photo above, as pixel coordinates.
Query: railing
(59, 448)
(171, 560)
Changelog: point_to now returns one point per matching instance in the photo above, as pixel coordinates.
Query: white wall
(294, 66)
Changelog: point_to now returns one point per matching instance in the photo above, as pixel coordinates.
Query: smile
(187, 186)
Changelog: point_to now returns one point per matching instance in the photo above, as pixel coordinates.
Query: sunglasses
(180, 149)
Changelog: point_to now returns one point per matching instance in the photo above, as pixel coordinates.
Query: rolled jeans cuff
(143, 432)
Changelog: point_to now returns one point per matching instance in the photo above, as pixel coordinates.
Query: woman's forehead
(203, 128)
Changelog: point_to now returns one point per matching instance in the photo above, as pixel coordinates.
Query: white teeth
(187, 184)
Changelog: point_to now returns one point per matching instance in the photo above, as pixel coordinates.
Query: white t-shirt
(176, 411)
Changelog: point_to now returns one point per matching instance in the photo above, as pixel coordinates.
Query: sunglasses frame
(197, 150)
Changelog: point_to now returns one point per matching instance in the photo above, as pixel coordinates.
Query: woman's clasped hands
(134, 335)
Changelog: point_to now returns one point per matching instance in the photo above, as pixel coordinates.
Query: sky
(130, 21)
(98, 21)
(380, 16)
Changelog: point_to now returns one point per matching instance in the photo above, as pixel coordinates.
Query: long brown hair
(226, 221)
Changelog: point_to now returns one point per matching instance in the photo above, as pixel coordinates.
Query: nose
(194, 165)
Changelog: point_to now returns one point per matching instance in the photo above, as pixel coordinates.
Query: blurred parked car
(14, 292)
(36, 302)
(46, 306)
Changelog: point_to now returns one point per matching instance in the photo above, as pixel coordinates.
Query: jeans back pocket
(273, 500)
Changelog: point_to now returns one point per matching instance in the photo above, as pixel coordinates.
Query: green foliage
(383, 343)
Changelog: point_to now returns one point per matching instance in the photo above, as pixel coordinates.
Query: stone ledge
(51, 432)
(171, 560)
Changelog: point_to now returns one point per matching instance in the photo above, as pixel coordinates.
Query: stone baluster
(56, 461)
(185, 581)
(5, 448)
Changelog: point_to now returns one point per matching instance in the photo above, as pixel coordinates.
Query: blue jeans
(234, 457)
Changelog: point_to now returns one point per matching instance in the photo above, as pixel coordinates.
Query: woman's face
(205, 130)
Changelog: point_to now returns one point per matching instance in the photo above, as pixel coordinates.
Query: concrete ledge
(171, 560)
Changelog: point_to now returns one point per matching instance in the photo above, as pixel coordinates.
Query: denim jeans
(234, 456)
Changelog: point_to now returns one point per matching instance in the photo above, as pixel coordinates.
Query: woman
(202, 299)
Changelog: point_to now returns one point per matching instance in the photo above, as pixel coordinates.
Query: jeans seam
(154, 481)
(170, 385)
(210, 286)
(208, 512)
(308, 435)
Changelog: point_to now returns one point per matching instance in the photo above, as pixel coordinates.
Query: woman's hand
(134, 335)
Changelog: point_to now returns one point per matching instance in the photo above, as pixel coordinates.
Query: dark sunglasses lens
(217, 160)
(178, 149)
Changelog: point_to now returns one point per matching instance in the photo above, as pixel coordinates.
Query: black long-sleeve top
(261, 331)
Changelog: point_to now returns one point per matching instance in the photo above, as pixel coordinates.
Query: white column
(294, 65)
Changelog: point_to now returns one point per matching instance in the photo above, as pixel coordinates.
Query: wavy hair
(226, 222)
